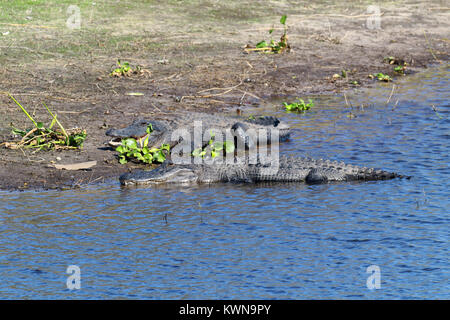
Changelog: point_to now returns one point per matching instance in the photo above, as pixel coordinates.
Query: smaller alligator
(288, 170)
(165, 131)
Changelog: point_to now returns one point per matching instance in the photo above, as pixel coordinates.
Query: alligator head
(137, 130)
(178, 174)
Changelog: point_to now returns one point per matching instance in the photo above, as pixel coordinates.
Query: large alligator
(167, 131)
(284, 170)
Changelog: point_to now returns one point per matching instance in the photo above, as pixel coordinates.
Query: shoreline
(204, 73)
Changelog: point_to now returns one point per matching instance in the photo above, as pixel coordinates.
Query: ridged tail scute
(372, 175)
(264, 121)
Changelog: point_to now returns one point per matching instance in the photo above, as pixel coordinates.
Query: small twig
(395, 105)
(156, 108)
(429, 47)
(251, 94)
(206, 90)
(227, 90)
(346, 101)
(242, 98)
(390, 96)
(258, 49)
(26, 25)
(167, 78)
(26, 136)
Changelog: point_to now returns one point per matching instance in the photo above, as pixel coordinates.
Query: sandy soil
(188, 50)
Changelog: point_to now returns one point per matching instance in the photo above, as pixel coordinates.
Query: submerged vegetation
(272, 46)
(299, 105)
(46, 138)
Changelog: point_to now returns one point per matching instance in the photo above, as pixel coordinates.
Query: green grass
(135, 27)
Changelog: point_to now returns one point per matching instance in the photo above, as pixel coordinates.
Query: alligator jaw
(163, 174)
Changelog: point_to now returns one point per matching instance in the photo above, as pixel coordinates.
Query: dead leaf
(76, 166)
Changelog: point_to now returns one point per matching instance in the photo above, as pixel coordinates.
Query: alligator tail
(372, 174)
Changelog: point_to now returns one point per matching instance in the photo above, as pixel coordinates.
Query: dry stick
(74, 112)
(429, 45)
(390, 96)
(258, 49)
(343, 16)
(251, 94)
(213, 95)
(153, 105)
(242, 98)
(25, 154)
(26, 25)
(167, 78)
(26, 136)
(217, 101)
(207, 96)
(346, 101)
(201, 91)
(395, 105)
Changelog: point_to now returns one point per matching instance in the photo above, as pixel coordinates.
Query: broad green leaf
(149, 128)
(130, 143)
(18, 132)
(197, 152)
(121, 149)
(122, 160)
(160, 157)
(283, 19)
(262, 44)
(229, 146)
(146, 141)
(217, 146)
(148, 157)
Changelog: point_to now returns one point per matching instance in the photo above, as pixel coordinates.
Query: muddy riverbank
(193, 60)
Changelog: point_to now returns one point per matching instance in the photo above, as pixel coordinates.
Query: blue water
(238, 241)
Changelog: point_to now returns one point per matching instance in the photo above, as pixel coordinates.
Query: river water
(238, 241)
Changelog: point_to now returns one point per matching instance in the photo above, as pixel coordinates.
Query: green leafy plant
(299, 106)
(132, 149)
(394, 60)
(46, 138)
(273, 46)
(123, 70)
(383, 77)
(129, 150)
(400, 69)
(214, 148)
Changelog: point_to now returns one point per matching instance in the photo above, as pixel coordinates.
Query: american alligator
(166, 131)
(287, 170)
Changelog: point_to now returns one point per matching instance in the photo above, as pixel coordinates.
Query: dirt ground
(186, 47)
